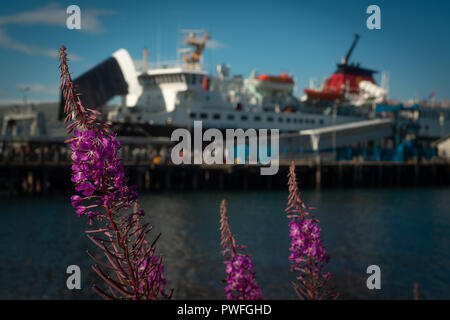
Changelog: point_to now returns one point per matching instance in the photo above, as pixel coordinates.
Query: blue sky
(305, 38)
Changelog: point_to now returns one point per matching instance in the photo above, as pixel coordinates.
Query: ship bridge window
(257, 118)
(230, 117)
(300, 121)
(280, 119)
(270, 119)
(191, 78)
(216, 116)
(312, 121)
(172, 78)
(244, 118)
(321, 121)
(187, 76)
(288, 120)
(192, 115)
(203, 116)
(148, 81)
(158, 80)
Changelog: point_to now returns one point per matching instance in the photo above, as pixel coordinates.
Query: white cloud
(90, 22)
(52, 14)
(215, 45)
(7, 42)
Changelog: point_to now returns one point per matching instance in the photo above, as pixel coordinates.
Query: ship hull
(163, 124)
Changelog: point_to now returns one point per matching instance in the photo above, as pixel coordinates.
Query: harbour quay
(42, 165)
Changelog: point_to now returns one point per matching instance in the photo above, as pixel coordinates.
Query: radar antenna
(193, 58)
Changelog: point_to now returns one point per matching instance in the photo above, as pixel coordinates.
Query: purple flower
(135, 272)
(86, 188)
(307, 255)
(241, 280)
(97, 167)
(81, 210)
(307, 252)
(92, 214)
(76, 201)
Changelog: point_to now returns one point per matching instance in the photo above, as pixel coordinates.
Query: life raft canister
(206, 83)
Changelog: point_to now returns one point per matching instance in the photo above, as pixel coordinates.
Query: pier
(44, 166)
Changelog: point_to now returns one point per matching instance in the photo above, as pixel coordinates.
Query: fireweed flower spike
(307, 255)
(241, 281)
(134, 270)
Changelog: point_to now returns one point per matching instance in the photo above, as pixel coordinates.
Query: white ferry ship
(168, 95)
(174, 94)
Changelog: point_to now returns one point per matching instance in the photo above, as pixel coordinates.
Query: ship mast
(350, 51)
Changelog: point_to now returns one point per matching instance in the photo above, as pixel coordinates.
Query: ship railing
(174, 64)
(165, 64)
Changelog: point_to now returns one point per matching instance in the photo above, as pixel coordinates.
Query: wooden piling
(147, 180)
(221, 180)
(245, 186)
(398, 175)
(168, 178)
(416, 174)
(340, 174)
(433, 174)
(195, 180)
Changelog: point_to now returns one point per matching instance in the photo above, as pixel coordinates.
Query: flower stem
(124, 250)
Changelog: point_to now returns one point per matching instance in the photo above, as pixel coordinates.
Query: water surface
(404, 231)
